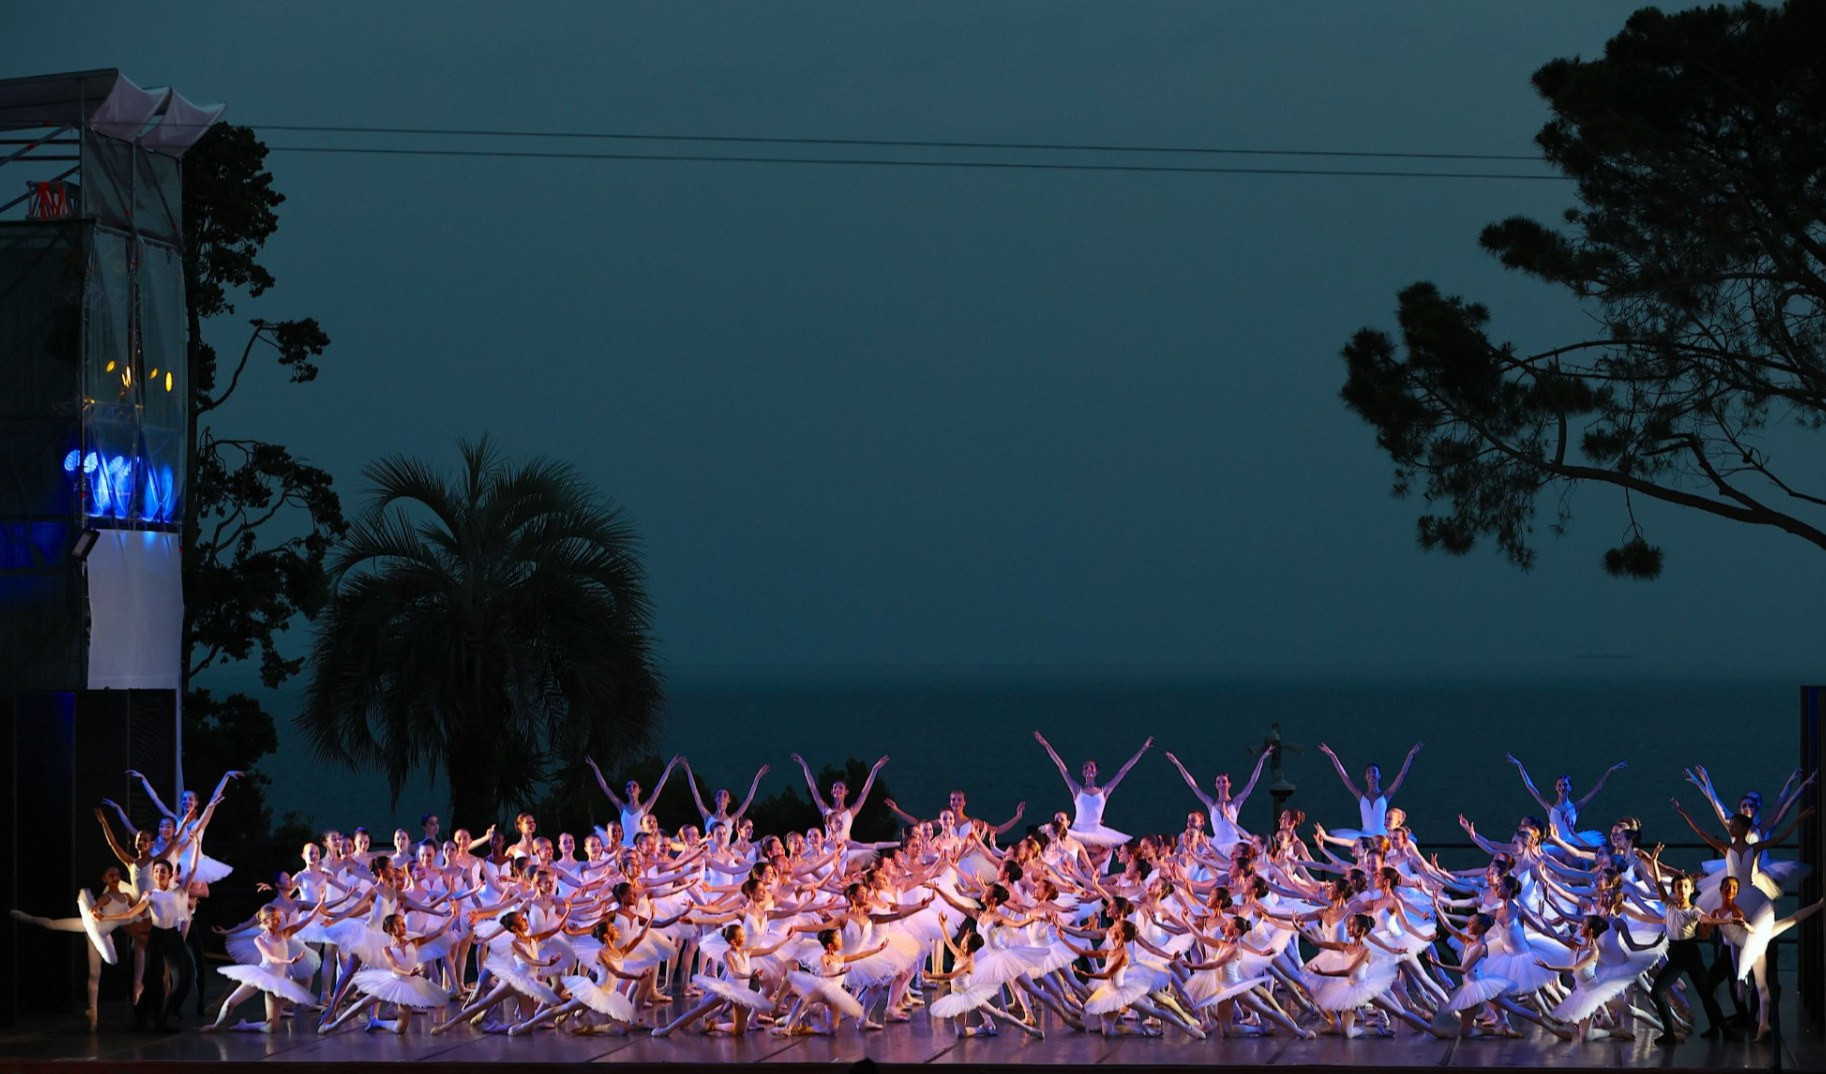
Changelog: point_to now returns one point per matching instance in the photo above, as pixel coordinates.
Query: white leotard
(631, 816)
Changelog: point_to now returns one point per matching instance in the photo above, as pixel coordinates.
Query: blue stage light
(72, 461)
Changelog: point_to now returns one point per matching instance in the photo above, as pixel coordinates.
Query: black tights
(1684, 956)
(165, 950)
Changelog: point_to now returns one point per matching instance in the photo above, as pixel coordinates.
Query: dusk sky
(874, 416)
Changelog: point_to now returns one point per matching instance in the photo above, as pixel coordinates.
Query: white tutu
(811, 987)
(1368, 981)
(1590, 995)
(208, 870)
(1476, 991)
(995, 966)
(602, 1000)
(357, 937)
(1100, 836)
(267, 981)
(97, 931)
(961, 1001)
(1109, 998)
(390, 987)
(1228, 991)
(508, 971)
(741, 995)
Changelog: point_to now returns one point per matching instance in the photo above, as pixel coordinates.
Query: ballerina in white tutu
(1563, 812)
(599, 991)
(633, 808)
(721, 813)
(400, 981)
(734, 991)
(1753, 902)
(1360, 976)
(1482, 989)
(839, 813)
(967, 996)
(1089, 800)
(1223, 807)
(952, 821)
(515, 969)
(1123, 985)
(1372, 800)
(99, 942)
(272, 977)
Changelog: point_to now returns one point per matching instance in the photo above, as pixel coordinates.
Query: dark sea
(973, 730)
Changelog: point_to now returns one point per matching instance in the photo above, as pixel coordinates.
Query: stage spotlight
(85, 543)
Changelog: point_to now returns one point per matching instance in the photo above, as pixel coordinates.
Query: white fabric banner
(136, 611)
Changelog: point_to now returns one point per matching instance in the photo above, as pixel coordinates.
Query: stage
(53, 1045)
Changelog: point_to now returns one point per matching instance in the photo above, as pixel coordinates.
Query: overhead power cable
(894, 143)
(1019, 165)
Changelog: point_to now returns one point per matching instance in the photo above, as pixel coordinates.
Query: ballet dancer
(1372, 800)
(733, 991)
(398, 980)
(1089, 800)
(99, 944)
(956, 823)
(840, 814)
(168, 907)
(634, 809)
(272, 977)
(821, 987)
(1563, 812)
(721, 813)
(1221, 806)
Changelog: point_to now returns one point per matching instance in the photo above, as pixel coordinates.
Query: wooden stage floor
(58, 1044)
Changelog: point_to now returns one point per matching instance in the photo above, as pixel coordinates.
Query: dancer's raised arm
(1064, 773)
(1124, 770)
(1712, 841)
(894, 808)
(1777, 840)
(126, 822)
(113, 843)
(868, 785)
(1193, 783)
(653, 797)
(1401, 776)
(157, 802)
(753, 786)
(697, 797)
(1237, 799)
(1598, 786)
(812, 782)
(1786, 799)
(222, 785)
(1699, 777)
(1020, 810)
(1342, 774)
(604, 784)
(1528, 782)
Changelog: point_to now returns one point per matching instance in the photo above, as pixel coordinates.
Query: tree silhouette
(1698, 142)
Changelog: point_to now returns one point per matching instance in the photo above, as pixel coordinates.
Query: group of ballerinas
(153, 903)
(1213, 930)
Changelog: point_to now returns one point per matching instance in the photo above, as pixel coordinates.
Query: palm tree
(496, 625)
